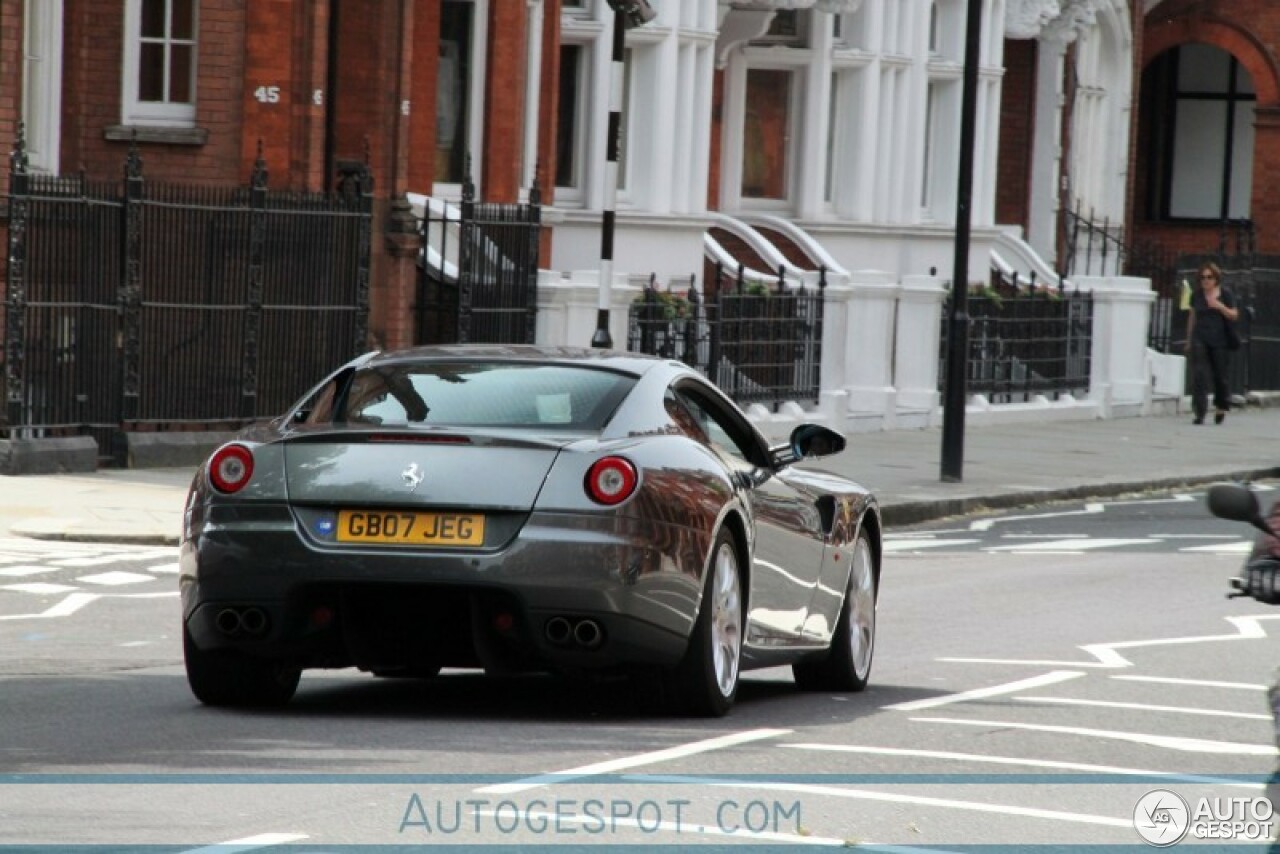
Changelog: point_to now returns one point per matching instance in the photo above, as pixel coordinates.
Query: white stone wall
(880, 352)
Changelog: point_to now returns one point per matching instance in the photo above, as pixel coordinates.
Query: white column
(868, 362)
(1120, 373)
(833, 397)
(917, 342)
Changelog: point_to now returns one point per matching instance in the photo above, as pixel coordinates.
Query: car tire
(224, 677)
(705, 682)
(847, 664)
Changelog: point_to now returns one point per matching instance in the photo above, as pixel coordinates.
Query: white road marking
(20, 571)
(41, 588)
(67, 606)
(1169, 742)
(115, 578)
(893, 797)
(1018, 761)
(986, 524)
(1241, 548)
(167, 568)
(249, 843)
(1197, 683)
(992, 691)
(1143, 707)
(612, 765)
(1070, 545)
(1106, 655)
(923, 543)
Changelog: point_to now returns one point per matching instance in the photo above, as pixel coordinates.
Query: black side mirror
(1239, 504)
(810, 441)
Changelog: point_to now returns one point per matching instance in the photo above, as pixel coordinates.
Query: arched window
(1200, 104)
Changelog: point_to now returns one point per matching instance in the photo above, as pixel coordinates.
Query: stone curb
(916, 512)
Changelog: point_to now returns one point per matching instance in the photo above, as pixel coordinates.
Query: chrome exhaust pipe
(558, 631)
(228, 621)
(588, 634)
(253, 621)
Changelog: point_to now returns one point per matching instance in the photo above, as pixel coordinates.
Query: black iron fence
(478, 281)
(149, 306)
(1025, 342)
(759, 343)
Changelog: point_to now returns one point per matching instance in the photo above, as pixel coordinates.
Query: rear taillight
(230, 468)
(611, 480)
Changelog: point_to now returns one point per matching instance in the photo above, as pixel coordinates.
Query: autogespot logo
(1161, 817)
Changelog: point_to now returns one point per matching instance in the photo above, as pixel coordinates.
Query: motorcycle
(1259, 580)
(1261, 576)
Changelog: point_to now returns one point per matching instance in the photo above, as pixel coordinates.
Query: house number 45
(267, 94)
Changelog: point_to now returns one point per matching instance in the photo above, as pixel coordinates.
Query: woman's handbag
(1233, 335)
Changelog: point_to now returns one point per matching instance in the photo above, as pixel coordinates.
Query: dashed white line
(1169, 742)
(70, 605)
(1196, 683)
(991, 691)
(1144, 707)
(1016, 761)
(612, 765)
(115, 578)
(40, 588)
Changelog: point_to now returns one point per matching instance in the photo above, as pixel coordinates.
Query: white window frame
(475, 103)
(42, 83)
(152, 113)
(575, 193)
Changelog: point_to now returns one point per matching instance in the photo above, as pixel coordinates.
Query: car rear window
(556, 397)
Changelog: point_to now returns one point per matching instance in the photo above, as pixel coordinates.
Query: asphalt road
(1018, 698)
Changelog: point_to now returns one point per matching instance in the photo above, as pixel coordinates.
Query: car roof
(618, 360)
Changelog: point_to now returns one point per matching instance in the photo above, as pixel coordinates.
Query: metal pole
(602, 338)
(958, 321)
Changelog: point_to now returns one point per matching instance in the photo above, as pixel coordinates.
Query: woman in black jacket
(1213, 308)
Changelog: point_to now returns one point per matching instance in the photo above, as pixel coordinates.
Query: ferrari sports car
(519, 509)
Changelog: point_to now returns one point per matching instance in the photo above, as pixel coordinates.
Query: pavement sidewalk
(1003, 466)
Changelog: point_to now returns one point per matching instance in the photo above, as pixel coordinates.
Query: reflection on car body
(524, 508)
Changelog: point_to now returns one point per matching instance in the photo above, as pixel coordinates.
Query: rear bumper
(264, 586)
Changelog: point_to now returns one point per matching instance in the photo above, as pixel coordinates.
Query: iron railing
(758, 344)
(478, 281)
(1024, 343)
(168, 306)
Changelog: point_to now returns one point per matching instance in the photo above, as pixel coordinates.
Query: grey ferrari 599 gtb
(525, 509)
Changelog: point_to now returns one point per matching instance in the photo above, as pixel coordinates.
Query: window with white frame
(161, 38)
(460, 93)
(570, 126)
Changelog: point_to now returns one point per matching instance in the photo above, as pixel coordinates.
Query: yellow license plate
(404, 528)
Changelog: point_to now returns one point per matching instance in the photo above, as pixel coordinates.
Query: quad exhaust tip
(584, 633)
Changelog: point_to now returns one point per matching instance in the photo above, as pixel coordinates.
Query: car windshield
(485, 395)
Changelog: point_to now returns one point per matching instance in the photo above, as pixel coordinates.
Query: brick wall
(1250, 31)
(93, 55)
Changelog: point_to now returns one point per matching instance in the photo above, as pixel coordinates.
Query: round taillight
(611, 480)
(231, 468)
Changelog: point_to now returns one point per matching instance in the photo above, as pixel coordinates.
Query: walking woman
(1213, 309)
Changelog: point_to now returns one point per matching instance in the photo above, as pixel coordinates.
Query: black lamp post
(626, 14)
(958, 319)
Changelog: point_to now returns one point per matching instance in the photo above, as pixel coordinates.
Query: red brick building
(318, 84)
(1208, 141)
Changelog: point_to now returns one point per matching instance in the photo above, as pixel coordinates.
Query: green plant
(674, 306)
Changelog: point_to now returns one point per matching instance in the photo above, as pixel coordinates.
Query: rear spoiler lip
(443, 436)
